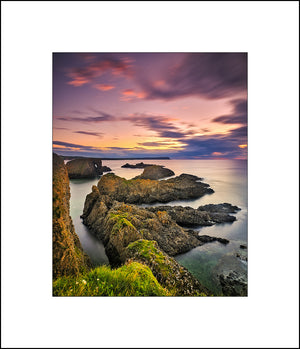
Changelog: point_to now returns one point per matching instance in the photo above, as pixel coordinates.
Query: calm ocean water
(228, 178)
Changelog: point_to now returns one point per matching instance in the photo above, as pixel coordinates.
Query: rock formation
(139, 165)
(68, 256)
(86, 168)
(139, 191)
(155, 172)
(202, 216)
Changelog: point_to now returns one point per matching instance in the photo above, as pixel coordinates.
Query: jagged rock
(138, 191)
(117, 224)
(68, 256)
(190, 217)
(233, 284)
(155, 172)
(232, 275)
(139, 165)
(220, 213)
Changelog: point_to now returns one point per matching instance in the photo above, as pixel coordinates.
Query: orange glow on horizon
(243, 146)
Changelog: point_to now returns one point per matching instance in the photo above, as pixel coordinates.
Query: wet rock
(232, 275)
(155, 172)
(139, 191)
(242, 257)
(233, 284)
(243, 247)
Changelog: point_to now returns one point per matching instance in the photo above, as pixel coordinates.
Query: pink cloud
(104, 87)
(86, 74)
(129, 95)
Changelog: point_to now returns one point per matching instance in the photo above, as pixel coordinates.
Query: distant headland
(68, 157)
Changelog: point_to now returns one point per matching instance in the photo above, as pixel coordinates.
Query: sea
(228, 179)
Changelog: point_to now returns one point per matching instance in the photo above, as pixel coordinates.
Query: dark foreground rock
(86, 168)
(139, 191)
(190, 217)
(155, 172)
(231, 273)
(233, 284)
(68, 256)
(139, 165)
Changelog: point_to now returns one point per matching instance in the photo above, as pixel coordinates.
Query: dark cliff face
(84, 168)
(68, 256)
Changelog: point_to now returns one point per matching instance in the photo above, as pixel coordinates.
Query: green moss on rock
(168, 272)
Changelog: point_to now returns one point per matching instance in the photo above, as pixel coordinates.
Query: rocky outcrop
(155, 172)
(233, 284)
(167, 271)
(86, 168)
(202, 216)
(68, 256)
(139, 165)
(231, 272)
(139, 191)
(117, 224)
(105, 169)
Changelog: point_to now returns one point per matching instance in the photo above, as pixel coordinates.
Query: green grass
(147, 250)
(133, 279)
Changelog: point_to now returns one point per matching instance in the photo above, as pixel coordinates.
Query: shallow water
(228, 178)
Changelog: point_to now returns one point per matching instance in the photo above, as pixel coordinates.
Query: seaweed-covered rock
(167, 271)
(68, 256)
(138, 191)
(155, 172)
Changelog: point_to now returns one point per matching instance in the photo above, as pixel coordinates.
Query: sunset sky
(181, 105)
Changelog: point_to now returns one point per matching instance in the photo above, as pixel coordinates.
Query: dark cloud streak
(208, 75)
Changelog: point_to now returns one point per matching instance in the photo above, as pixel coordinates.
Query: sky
(180, 105)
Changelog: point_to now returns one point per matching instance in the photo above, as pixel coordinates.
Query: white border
(31, 31)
